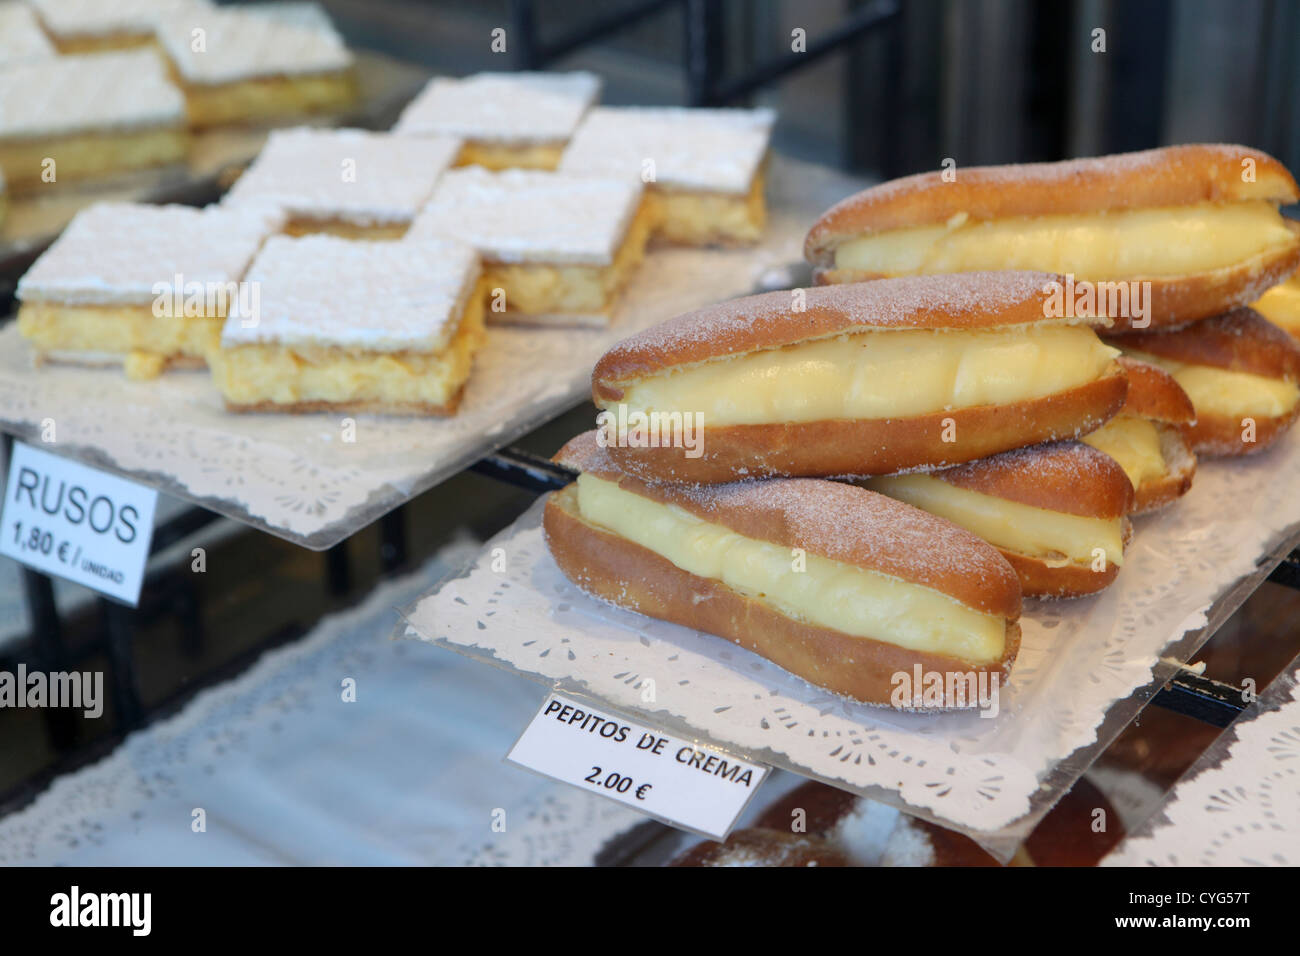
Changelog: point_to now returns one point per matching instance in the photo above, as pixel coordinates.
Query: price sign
(76, 522)
(678, 780)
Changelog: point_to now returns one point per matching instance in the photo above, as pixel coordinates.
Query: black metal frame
(704, 52)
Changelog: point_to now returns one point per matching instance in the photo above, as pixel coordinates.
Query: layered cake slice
(556, 248)
(506, 119)
(353, 325)
(144, 286)
(91, 26)
(73, 117)
(346, 182)
(257, 63)
(703, 169)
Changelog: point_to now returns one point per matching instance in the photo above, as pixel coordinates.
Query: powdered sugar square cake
(353, 325)
(144, 286)
(556, 248)
(245, 64)
(347, 182)
(88, 26)
(72, 117)
(506, 119)
(703, 169)
(21, 37)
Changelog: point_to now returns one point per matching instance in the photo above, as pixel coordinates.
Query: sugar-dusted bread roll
(1199, 222)
(1145, 437)
(1057, 512)
(863, 379)
(1241, 372)
(848, 589)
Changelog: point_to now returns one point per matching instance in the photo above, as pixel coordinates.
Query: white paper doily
(1077, 659)
(296, 476)
(287, 772)
(1239, 804)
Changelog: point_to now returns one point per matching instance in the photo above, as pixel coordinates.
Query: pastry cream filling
(86, 155)
(144, 342)
(266, 97)
(1114, 244)
(537, 289)
(1135, 444)
(699, 218)
(503, 156)
(1218, 391)
(280, 375)
(879, 374)
(1057, 538)
(1281, 305)
(827, 593)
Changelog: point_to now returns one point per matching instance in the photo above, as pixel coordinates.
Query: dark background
(980, 81)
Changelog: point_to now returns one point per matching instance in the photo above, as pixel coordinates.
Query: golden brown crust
(1238, 341)
(1154, 394)
(628, 575)
(1157, 493)
(1172, 301)
(1066, 476)
(840, 522)
(1039, 579)
(1219, 436)
(962, 301)
(880, 446)
(1171, 176)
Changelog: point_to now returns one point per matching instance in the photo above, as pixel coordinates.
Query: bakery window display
(1058, 512)
(838, 585)
(238, 65)
(865, 379)
(147, 287)
(1241, 372)
(353, 325)
(21, 37)
(703, 168)
(557, 248)
(1199, 223)
(1145, 437)
(89, 26)
(75, 117)
(345, 182)
(507, 120)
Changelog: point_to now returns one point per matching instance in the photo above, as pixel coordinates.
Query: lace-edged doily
(1077, 659)
(287, 772)
(1239, 804)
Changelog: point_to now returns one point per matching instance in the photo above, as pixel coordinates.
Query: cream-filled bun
(1200, 223)
(1057, 512)
(1144, 438)
(848, 589)
(1241, 372)
(1281, 306)
(864, 379)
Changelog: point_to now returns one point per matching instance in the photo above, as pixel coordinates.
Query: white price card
(77, 522)
(677, 780)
